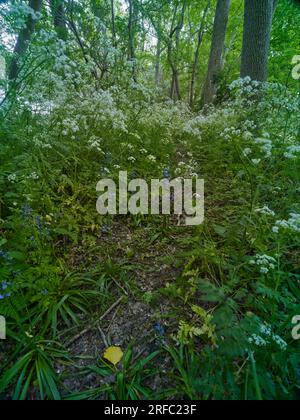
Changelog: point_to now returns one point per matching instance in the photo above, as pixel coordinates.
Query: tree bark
(157, 62)
(113, 24)
(197, 55)
(173, 52)
(131, 36)
(215, 64)
(59, 18)
(23, 40)
(258, 18)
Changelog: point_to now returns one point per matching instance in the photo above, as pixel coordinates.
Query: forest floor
(144, 260)
(152, 265)
(150, 294)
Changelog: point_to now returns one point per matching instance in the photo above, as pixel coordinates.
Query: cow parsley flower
(151, 158)
(266, 337)
(256, 161)
(266, 211)
(12, 178)
(293, 152)
(257, 340)
(247, 152)
(34, 176)
(265, 263)
(266, 146)
(292, 224)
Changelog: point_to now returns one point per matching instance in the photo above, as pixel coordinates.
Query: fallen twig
(88, 329)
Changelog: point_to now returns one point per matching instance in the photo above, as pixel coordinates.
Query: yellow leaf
(113, 354)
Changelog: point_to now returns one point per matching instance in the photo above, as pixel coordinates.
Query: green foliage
(81, 110)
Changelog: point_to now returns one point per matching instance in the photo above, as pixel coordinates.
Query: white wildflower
(256, 161)
(12, 178)
(151, 158)
(266, 211)
(292, 224)
(265, 263)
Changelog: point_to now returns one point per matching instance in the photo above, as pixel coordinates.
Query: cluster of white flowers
(257, 340)
(34, 176)
(94, 143)
(69, 126)
(292, 224)
(12, 178)
(246, 87)
(266, 145)
(247, 152)
(192, 127)
(256, 161)
(186, 168)
(266, 211)
(49, 36)
(40, 143)
(293, 152)
(151, 158)
(21, 11)
(264, 262)
(269, 336)
(245, 82)
(230, 132)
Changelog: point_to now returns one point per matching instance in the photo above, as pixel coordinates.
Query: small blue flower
(26, 211)
(159, 329)
(38, 222)
(105, 229)
(166, 173)
(4, 285)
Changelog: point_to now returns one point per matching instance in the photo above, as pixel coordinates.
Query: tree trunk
(131, 35)
(174, 52)
(131, 50)
(256, 43)
(215, 64)
(113, 24)
(23, 40)
(157, 62)
(197, 55)
(59, 18)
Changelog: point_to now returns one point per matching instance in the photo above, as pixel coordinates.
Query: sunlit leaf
(113, 354)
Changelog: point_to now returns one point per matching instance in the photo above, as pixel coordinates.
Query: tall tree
(215, 64)
(200, 35)
(173, 49)
(24, 39)
(113, 23)
(157, 61)
(132, 12)
(258, 18)
(59, 18)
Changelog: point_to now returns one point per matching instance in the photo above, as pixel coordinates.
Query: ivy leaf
(113, 354)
